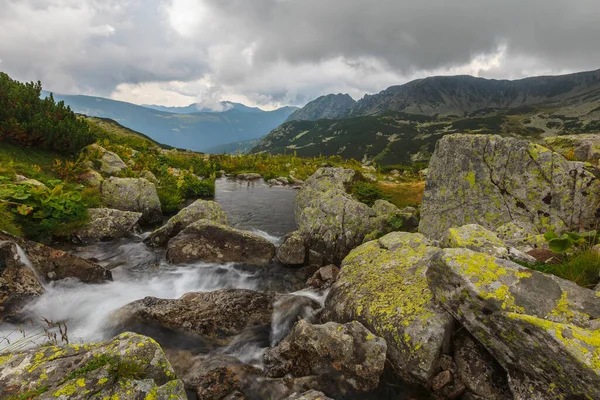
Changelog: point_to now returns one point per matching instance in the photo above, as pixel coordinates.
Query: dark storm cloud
(290, 50)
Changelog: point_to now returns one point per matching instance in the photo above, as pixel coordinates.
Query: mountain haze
(194, 131)
(329, 106)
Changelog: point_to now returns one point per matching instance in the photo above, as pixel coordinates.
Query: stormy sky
(279, 52)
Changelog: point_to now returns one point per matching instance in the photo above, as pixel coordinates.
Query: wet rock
(292, 251)
(478, 370)
(46, 260)
(490, 180)
(287, 310)
(324, 277)
(210, 241)
(27, 181)
(18, 282)
(91, 178)
(103, 160)
(108, 224)
(128, 367)
(221, 314)
(348, 355)
(200, 209)
(274, 182)
(310, 395)
(133, 194)
(248, 177)
(383, 285)
(331, 221)
(541, 329)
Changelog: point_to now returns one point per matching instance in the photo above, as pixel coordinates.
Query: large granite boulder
(348, 356)
(133, 194)
(212, 242)
(200, 209)
(331, 221)
(103, 160)
(490, 180)
(475, 237)
(383, 285)
(219, 314)
(108, 224)
(18, 281)
(582, 147)
(544, 331)
(128, 367)
(52, 264)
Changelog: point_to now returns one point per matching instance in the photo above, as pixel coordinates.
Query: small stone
(441, 380)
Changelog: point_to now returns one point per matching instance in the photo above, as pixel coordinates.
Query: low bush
(368, 193)
(582, 267)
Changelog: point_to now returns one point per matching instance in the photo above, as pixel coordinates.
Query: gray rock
(91, 178)
(274, 182)
(45, 260)
(200, 209)
(580, 147)
(248, 177)
(478, 370)
(150, 177)
(210, 241)
(348, 355)
(103, 160)
(292, 251)
(521, 235)
(131, 194)
(108, 224)
(331, 221)
(129, 366)
(217, 315)
(490, 180)
(18, 282)
(476, 238)
(27, 181)
(383, 285)
(543, 330)
(310, 395)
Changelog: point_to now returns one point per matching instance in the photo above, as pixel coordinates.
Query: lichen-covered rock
(57, 263)
(219, 314)
(91, 178)
(103, 160)
(108, 224)
(200, 209)
(582, 147)
(210, 241)
(150, 177)
(28, 181)
(544, 331)
(331, 221)
(292, 251)
(248, 177)
(521, 235)
(476, 238)
(478, 370)
(383, 285)
(128, 367)
(131, 194)
(392, 218)
(490, 180)
(18, 282)
(347, 354)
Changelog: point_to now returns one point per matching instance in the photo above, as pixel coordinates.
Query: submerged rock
(348, 356)
(200, 209)
(543, 330)
(133, 194)
(292, 251)
(490, 180)
(57, 263)
(209, 241)
(103, 160)
(128, 367)
(18, 282)
(108, 224)
(383, 285)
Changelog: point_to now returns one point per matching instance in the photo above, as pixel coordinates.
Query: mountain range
(183, 127)
(402, 123)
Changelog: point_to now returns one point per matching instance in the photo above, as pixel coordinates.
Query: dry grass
(404, 194)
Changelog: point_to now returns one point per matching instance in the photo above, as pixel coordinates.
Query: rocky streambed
(269, 293)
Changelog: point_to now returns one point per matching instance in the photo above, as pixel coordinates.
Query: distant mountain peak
(325, 107)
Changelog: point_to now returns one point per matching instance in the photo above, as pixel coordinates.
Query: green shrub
(170, 198)
(368, 193)
(583, 268)
(194, 187)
